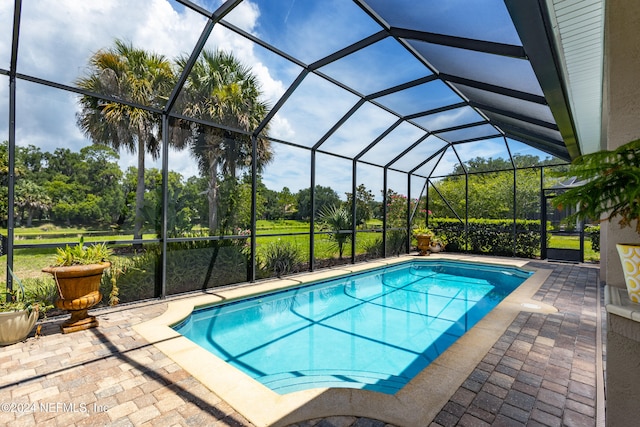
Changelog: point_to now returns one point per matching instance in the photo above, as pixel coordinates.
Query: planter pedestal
(79, 290)
(79, 309)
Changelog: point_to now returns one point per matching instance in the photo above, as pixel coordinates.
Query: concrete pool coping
(417, 403)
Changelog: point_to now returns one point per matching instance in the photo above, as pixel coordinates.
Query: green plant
(439, 238)
(423, 231)
(594, 235)
(93, 254)
(338, 219)
(373, 248)
(82, 255)
(611, 188)
(396, 242)
(280, 257)
(40, 297)
(15, 301)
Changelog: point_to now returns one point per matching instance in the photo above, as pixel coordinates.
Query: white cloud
(313, 108)
(58, 37)
(281, 126)
(6, 23)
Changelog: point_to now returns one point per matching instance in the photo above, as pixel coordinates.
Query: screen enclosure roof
(398, 84)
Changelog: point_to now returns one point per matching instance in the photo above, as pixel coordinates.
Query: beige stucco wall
(621, 111)
(621, 123)
(622, 388)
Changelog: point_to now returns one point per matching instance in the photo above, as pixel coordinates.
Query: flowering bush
(397, 209)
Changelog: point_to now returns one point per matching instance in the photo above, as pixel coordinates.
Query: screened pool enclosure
(212, 142)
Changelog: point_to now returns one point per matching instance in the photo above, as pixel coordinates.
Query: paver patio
(543, 371)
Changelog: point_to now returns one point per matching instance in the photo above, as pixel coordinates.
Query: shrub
(280, 257)
(191, 265)
(41, 289)
(135, 277)
(594, 234)
(396, 242)
(372, 248)
(491, 236)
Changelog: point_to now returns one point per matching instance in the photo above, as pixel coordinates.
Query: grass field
(573, 242)
(28, 262)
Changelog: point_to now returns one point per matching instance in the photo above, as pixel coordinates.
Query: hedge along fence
(593, 231)
(199, 265)
(490, 236)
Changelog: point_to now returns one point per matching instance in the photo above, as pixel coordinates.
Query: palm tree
(134, 75)
(31, 198)
(338, 219)
(220, 89)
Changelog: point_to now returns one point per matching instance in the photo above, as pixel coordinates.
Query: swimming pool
(373, 330)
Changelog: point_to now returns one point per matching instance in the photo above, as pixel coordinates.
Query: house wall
(621, 111)
(621, 123)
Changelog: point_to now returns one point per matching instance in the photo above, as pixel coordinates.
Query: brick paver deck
(541, 372)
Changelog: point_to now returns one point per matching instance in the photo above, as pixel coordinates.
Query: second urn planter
(16, 325)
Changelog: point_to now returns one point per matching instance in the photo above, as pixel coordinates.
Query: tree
(30, 163)
(83, 186)
(192, 194)
(272, 209)
(278, 204)
(364, 204)
(325, 197)
(179, 215)
(103, 178)
(135, 75)
(491, 192)
(287, 203)
(31, 198)
(222, 90)
(236, 211)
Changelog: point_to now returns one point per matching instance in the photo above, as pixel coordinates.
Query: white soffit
(579, 30)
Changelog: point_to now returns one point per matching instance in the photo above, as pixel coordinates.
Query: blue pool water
(373, 330)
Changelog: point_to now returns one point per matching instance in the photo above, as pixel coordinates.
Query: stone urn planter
(15, 326)
(78, 291)
(423, 236)
(424, 243)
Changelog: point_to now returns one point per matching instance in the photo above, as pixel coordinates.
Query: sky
(58, 37)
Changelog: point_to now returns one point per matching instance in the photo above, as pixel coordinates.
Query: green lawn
(573, 242)
(27, 263)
